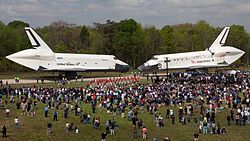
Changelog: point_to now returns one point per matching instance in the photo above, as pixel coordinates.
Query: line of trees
(128, 40)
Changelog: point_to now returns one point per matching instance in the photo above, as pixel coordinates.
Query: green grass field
(35, 128)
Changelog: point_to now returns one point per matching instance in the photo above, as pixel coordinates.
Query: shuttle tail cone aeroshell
(30, 58)
(234, 55)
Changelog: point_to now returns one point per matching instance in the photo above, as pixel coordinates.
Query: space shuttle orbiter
(42, 58)
(217, 55)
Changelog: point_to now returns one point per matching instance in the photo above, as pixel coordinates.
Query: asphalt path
(32, 81)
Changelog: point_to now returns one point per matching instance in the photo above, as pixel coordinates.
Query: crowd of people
(198, 100)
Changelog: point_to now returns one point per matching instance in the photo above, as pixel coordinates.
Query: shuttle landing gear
(203, 70)
(68, 75)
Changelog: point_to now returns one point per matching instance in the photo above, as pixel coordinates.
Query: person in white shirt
(76, 130)
(17, 123)
(67, 127)
(7, 112)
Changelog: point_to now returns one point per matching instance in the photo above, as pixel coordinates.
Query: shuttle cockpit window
(154, 58)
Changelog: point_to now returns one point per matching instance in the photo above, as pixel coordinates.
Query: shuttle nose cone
(142, 67)
(122, 68)
(146, 67)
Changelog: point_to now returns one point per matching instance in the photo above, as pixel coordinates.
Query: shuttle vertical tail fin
(221, 39)
(36, 41)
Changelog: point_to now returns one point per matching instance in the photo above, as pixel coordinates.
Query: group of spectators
(197, 99)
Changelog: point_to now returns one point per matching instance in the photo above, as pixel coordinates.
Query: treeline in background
(128, 40)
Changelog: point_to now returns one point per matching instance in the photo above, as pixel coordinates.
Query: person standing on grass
(195, 121)
(218, 128)
(232, 114)
(93, 108)
(213, 128)
(17, 123)
(123, 113)
(168, 113)
(49, 128)
(67, 127)
(173, 119)
(144, 132)
(196, 136)
(103, 136)
(4, 131)
(55, 116)
(134, 132)
(1, 102)
(107, 126)
(134, 119)
(46, 110)
(166, 139)
(7, 112)
(228, 119)
(112, 128)
(140, 123)
(76, 130)
(204, 127)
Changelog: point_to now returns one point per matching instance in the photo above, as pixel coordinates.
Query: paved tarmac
(31, 81)
(22, 81)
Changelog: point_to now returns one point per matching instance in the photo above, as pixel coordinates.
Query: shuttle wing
(202, 66)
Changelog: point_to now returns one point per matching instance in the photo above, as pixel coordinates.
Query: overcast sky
(152, 12)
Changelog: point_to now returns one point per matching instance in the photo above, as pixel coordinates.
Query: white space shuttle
(216, 55)
(42, 58)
